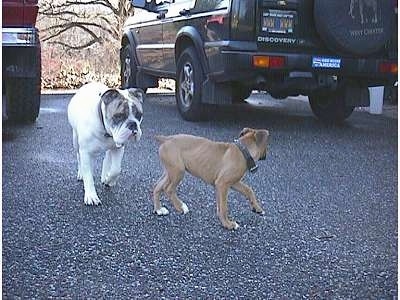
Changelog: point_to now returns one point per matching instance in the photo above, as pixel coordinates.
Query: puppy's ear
(261, 137)
(245, 131)
(137, 93)
(109, 96)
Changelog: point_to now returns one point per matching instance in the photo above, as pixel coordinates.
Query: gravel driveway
(330, 229)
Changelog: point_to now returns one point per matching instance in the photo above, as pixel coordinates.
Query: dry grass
(63, 69)
(71, 69)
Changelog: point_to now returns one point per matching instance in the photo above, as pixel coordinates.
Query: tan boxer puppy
(220, 164)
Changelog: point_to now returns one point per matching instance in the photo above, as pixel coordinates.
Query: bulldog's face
(260, 137)
(123, 114)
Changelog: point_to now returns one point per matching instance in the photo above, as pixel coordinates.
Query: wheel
(329, 106)
(23, 99)
(128, 68)
(240, 92)
(365, 26)
(189, 79)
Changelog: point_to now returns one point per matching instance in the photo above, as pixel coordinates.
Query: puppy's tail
(161, 138)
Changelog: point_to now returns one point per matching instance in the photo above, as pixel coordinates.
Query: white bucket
(376, 100)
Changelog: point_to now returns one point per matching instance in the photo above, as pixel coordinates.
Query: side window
(207, 5)
(188, 4)
(181, 2)
(179, 5)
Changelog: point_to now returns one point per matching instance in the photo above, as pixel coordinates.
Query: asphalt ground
(329, 192)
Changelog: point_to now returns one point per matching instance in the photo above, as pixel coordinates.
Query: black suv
(218, 51)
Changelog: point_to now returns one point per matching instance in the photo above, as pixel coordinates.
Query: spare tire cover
(359, 27)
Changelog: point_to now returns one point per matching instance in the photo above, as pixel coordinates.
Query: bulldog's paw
(103, 179)
(109, 181)
(161, 211)
(184, 208)
(258, 210)
(92, 199)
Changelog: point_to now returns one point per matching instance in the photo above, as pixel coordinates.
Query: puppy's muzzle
(132, 126)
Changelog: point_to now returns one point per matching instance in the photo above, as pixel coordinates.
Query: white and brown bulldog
(222, 165)
(103, 119)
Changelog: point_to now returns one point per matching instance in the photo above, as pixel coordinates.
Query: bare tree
(79, 24)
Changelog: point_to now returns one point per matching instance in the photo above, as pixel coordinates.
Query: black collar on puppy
(106, 134)
(251, 165)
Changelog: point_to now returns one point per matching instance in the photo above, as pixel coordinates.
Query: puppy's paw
(185, 209)
(258, 210)
(92, 199)
(161, 211)
(79, 176)
(235, 225)
(232, 225)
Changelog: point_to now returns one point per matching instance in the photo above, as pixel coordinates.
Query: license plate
(278, 21)
(326, 62)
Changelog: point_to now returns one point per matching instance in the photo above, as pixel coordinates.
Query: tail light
(271, 62)
(388, 67)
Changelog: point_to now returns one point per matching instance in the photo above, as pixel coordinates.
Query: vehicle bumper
(21, 52)
(238, 66)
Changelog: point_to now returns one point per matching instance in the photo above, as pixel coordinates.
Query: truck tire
(23, 99)
(188, 84)
(128, 68)
(329, 106)
(365, 25)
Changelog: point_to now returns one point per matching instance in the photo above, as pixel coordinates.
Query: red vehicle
(21, 61)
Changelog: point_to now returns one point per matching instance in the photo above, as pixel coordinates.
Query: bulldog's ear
(261, 137)
(137, 93)
(109, 96)
(245, 131)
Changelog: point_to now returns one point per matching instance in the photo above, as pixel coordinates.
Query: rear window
(207, 5)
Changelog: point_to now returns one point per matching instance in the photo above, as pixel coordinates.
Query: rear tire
(329, 106)
(188, 84)
(23, 99)
(128, 68)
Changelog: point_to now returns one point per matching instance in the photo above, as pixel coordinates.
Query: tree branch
(80, 47)
(59, 13)
(70, 26)
(82, 25)
(98, 18)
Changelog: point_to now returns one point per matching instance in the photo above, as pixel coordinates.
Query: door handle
(184, 12)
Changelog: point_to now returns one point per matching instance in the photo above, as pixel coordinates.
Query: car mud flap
(216, 93)
(144, 80)
(356, 96)
(4, 106)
